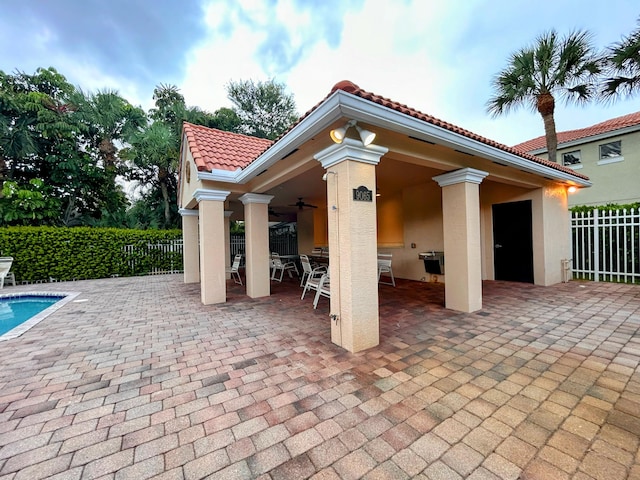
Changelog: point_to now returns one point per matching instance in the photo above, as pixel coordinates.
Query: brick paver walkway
(142, 381)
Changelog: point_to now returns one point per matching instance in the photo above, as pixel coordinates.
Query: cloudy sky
(438, 56)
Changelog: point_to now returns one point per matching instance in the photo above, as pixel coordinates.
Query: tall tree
(47, 152)
(110, 119)
(623, 67)
(17, 139)
(264, 108)
(553, 66)
(154, 151)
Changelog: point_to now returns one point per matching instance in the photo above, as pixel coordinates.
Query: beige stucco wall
(423, 226)
(422, 207)
(411, 216)
(550, 223)
(615, 182)
(390, 220)
(305, 229)
(320, 232)
(551, 237)
(187, 188)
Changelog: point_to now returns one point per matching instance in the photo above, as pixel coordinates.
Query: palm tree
(110, 118)
(566, 67)
(623, 67)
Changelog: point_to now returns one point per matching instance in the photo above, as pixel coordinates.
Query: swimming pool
(21, 311)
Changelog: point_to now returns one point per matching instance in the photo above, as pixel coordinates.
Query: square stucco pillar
(353, 256)
(461, 229)
(227, 241)
(551, 233)
(256, 234)
(213, 281)
(190, 252)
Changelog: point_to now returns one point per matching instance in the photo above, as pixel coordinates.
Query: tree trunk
(165, 195)
(108, 153)
(3, 169)
(552, 137)
(546, 107)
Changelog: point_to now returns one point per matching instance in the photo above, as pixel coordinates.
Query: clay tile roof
(352, 88)
(217, 149)
(571, 135)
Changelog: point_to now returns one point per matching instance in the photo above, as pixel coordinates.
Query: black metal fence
(282, 240)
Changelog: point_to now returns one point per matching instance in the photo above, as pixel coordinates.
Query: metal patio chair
(5, 266)
(308, 270)
(234, 269)
(277, 265)
(384, 267)
(323, 290)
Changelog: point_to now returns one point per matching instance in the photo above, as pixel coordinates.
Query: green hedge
(45, 253)
(605, 208)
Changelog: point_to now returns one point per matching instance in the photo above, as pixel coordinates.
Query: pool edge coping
(18, 330)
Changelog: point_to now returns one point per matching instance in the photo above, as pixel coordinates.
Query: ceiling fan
(300, 204)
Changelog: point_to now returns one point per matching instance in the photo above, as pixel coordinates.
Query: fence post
(596, 246)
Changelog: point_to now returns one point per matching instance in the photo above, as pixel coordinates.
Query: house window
(610, 150)
(571, 158)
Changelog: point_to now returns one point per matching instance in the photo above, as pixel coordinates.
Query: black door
(513, 242)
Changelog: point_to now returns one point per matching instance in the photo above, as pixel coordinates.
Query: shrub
(44, 253)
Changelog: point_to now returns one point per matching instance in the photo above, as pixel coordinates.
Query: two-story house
(607, 152)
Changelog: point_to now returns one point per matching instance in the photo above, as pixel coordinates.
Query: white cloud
(437, 56)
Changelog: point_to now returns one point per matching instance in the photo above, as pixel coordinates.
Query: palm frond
(622, 68)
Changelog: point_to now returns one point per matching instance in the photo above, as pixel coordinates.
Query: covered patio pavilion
(495, 212)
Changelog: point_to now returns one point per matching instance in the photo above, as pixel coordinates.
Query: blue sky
(438, 56)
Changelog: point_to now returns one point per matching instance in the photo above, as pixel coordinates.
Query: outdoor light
(338, 134)
(365, 135)
(326, 175)
(572, 189)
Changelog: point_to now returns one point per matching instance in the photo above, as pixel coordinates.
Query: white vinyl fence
(155, 258)
(606, 245)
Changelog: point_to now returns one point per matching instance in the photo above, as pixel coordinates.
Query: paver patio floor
(142, 381)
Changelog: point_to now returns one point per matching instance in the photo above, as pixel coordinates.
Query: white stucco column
(227, 241)
(353, 259)
(190, 252)
(256, 235)
(462, 249)
(213, 281)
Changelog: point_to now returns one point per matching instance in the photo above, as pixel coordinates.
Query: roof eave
(591, 138)
(319, 119)
(379, 115)
(219, 175)
(342, 104)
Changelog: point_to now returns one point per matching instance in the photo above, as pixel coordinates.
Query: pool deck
(136, 379)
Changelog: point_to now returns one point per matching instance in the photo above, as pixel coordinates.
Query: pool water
(16, 310)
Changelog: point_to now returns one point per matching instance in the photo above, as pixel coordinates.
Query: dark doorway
(513, 242)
